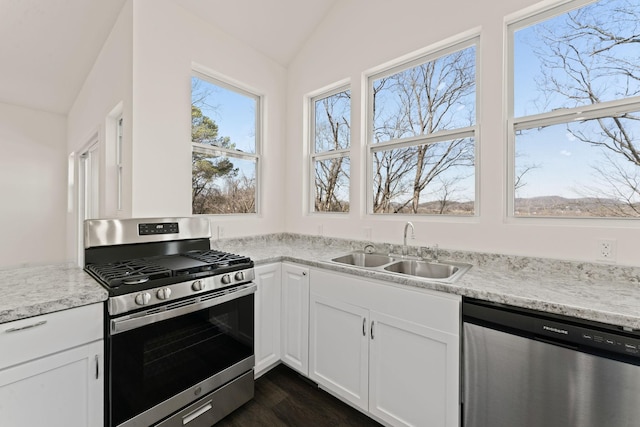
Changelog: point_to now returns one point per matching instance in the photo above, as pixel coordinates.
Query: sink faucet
(405, 250)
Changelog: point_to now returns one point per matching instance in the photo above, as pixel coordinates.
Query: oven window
(152, 363)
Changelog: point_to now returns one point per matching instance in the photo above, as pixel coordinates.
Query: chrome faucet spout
(405, 249)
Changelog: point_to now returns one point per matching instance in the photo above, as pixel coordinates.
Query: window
(575, 111)
(422, 135)
(225, 129)
(331, 131)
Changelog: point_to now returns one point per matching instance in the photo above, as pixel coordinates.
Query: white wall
(108, 85)
(33, 196)
(167, 40)
(358, 35)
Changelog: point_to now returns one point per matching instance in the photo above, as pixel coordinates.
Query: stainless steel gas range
(179, 322)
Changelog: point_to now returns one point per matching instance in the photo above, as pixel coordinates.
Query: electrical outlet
(320, 230)
(220, 232)
(606, 250)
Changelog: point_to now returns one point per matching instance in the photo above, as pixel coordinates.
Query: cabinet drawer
(28, 339)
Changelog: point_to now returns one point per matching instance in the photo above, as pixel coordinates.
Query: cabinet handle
(21, 328)
(97, 367)
(304, 273)
(364, 326)
(372, 322)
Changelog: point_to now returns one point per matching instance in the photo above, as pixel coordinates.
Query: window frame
(471, 38)
(527, 18)
(314, 157)
(212, 150)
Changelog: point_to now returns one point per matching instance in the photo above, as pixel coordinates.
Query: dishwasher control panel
(554, 328)
(582, 335)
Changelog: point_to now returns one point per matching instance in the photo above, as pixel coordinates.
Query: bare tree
(591, 57)
(431, 97)
(391, 168)
(447, 189)
(522, 171)
(330, 176)
(240, 195)
(332, 132)
(624, 184)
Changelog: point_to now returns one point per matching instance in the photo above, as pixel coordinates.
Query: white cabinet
(60, 390)
(339, 348)
(295, 317)
(51, 370)
(413, 373)
(267, 316)
(393, 352)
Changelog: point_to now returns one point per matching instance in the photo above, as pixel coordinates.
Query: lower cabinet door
(339, 348)
(267, 317)
(413, 373)
(294, 336)
(61, 390)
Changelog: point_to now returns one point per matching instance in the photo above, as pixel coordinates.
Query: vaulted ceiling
(47, 47)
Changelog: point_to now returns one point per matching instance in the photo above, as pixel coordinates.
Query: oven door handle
(137, 320)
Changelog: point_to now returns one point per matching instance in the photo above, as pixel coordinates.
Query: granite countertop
(598, 292)
(40, 289)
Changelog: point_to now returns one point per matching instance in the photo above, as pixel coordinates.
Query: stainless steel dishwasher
(524, 368)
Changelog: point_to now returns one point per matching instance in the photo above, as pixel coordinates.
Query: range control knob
(239, 275)
(143, 298)
(163, 293)
(226, 279)
(197, 285)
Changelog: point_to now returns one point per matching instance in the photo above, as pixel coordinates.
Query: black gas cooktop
(142, 273)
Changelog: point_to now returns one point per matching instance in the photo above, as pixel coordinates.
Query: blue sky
(235, 115)
(564, 164)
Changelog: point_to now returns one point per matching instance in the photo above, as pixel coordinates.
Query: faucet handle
(426, 249)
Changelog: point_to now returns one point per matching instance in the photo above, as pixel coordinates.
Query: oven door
(163, 359)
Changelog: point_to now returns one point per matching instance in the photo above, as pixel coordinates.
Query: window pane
(223, 185)
(333, 122)
(589, 168)
(332, 185)
(222, 117)
(426, 179)
(586, 56)
(431, 97)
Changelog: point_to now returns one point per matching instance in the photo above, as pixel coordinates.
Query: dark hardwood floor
(284, 398)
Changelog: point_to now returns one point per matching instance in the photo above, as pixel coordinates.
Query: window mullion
(433, 138)
(567, 115)
(213, 150)
(330, 155)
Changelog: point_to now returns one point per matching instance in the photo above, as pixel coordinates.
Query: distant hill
(544, 206)
(572, 207)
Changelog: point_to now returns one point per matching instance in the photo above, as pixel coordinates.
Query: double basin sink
(438, 271)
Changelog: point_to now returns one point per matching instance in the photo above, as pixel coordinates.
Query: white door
(295, 317)
(413, 373)
(267, 316)
(339, 348)
(61, 390)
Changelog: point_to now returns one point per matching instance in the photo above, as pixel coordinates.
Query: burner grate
(128, 272)
(218, 258)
